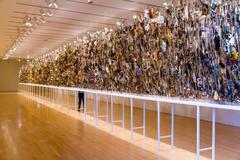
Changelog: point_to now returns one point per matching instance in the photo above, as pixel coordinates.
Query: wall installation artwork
(189, 50)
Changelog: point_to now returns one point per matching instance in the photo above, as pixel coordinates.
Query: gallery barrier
(49, 93)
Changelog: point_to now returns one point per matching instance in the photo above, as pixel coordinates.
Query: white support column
(144, 118)
(49, 95)
(41, 93)
(213, 133)
(33, 91)
(85, 106)
(198, 133)
(37, 92)
(123, 112)
(159, 124)
(58, 95)
(53, 90)
(131, 116)
(76, 100)
(44, 93)
(96, 109)
(68, 106)
(53, 95)
(172, 125)
(107, 119)
(112, 114)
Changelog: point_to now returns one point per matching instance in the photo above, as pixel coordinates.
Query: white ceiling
(73, 17)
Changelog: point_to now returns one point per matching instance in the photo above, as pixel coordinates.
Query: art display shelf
(33, 88)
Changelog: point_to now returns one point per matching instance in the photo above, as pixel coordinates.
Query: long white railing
(39, 90)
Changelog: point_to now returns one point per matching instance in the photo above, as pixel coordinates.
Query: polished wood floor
(29, 131)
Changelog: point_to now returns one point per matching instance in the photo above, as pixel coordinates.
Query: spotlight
(52, 3)
(49, 13)
(118, 23)
(28, 21)
(90, 1)
(43, 20)
(14, 49)
(42, 12)
(28, 24)
(55, 5)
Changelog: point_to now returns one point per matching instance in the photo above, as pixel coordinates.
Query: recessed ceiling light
(118, 23)
(52, 3)
(90, 1)
(49, 13)
(42, 12)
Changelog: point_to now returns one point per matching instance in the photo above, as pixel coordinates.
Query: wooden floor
(32, 132)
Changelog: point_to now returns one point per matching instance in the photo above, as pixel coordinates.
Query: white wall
(222, 116)
(9, 70)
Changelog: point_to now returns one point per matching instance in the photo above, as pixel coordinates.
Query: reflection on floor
(30, 130)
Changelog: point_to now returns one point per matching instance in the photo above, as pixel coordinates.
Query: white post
(41, 93)
(53, 95)
(112, 118)
(58, 95)
(76, 99)
(96, 109)
(85, 106)
(122, 112)
(107, 109)
(144, 118)
(172, 126)
(159, 124)
(43, 90)
(198, 133)
(131, 105)
(213, 133)
(68, 106)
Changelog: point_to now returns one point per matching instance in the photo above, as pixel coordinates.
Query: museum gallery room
(119, 80)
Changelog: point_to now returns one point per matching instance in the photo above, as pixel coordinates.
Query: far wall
(9, 70)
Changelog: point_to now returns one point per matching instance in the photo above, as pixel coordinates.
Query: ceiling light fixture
(90, 1)
(28, 21)
(49, 13)
(52, 3)
(30, 24)
(42, 12)
(118, 23)
(43, 20)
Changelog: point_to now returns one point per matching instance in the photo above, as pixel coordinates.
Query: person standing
(80, 100)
